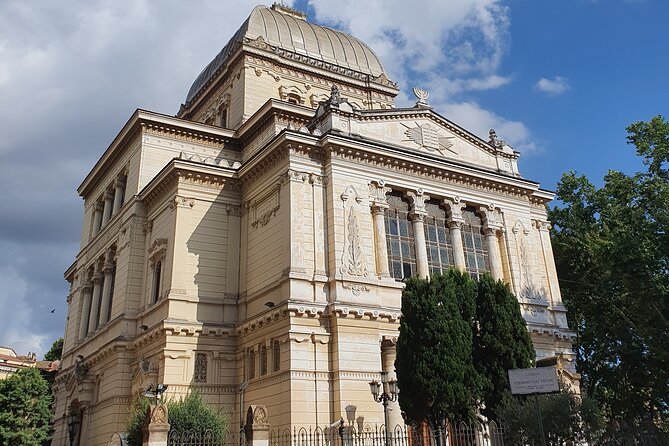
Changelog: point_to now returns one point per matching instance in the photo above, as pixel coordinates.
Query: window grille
(475, 245)
(263, 360)
(437, 238)
(200, 371)
(400, 238)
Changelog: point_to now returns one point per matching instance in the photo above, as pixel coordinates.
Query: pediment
(422, 131)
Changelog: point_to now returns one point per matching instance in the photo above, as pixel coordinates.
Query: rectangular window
(155, 286)
(276, 352)
(263, 360)
(251, 364)
(400, 238)
(475, 246)
(438, 239)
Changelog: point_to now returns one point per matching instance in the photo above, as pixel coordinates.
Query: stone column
(417, 216)
(388, 355)
(455, 222)
(97, 218)
(377, 192)
(95, 303)
(380, 242)
(492, 225)
(107, 289)
(422, 264)
(86, 295)
(119, 192)
(107, 211)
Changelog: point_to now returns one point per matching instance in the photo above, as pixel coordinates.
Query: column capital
(418, 199)
(97, 277)
(109, 195)
(99, 205)
(120, 181)
(542, 225)
(492, 218)
(377, 194)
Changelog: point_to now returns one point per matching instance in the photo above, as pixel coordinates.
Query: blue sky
(558, 80)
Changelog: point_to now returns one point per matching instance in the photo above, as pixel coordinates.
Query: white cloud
(553, 87)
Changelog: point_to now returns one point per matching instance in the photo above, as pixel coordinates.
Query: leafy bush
(188, 414)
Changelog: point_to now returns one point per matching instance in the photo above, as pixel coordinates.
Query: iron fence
(206, 438)
(458, 434)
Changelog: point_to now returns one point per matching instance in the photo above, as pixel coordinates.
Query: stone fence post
(257, 427)
(156, 429)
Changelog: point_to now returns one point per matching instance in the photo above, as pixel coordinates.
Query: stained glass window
(200, 371)
(437, 238)
(400, 238)
(475, 245)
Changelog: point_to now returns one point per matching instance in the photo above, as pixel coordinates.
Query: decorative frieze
(353, 258)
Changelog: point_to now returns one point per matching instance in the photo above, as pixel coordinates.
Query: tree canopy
(501, 343)
(25, 408)
(458, 338)
(611, 246)
(55, 353)
(435, 371)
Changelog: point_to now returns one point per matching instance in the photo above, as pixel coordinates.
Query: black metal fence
(206, 438)
(460, 434)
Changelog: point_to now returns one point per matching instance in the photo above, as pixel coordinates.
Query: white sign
(538, 380)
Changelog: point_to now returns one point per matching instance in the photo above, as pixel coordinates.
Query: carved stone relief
(353, 260)
(527, 285)
(427, 136)
(265, 208)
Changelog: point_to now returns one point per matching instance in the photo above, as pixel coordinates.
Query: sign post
(533, 382)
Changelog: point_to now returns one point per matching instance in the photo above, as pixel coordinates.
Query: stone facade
(253, 246)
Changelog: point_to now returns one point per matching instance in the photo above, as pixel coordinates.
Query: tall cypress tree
(502, 342)
(435, 371)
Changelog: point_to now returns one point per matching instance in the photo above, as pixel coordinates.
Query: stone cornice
(156, 123)
(416, 163)
(179, 170)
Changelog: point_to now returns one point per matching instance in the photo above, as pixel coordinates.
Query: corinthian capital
(377, 195)
(418, 199)
(492, 218)
(455, 208)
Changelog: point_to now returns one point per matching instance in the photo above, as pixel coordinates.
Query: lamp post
(156, 392)
(72, 423)
(384, 392)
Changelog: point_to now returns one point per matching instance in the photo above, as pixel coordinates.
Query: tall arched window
(475, 245)
(400, 239)
(437, 238)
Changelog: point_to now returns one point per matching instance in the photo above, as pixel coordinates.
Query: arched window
(475, 245)
(400, 238)
(437, 238)
(157, 278)
(251, 364)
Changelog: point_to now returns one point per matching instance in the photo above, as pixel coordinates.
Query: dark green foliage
(193, 414)
(190, 414)
(612, 253)
(56, 351)
(136, 419)
(435, 372)
(565, 419)
(502, 342)
(25, 408)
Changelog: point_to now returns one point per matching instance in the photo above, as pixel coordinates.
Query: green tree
(188, 414)
(612, 253)
(55, 353)
(25, 408)
(502, 341)
(435, 371)
(565, 419)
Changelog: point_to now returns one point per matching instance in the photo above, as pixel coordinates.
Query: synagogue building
(254, 245)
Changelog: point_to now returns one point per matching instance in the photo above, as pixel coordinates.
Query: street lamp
(72, 423)
(384, 392)
(156, 392)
